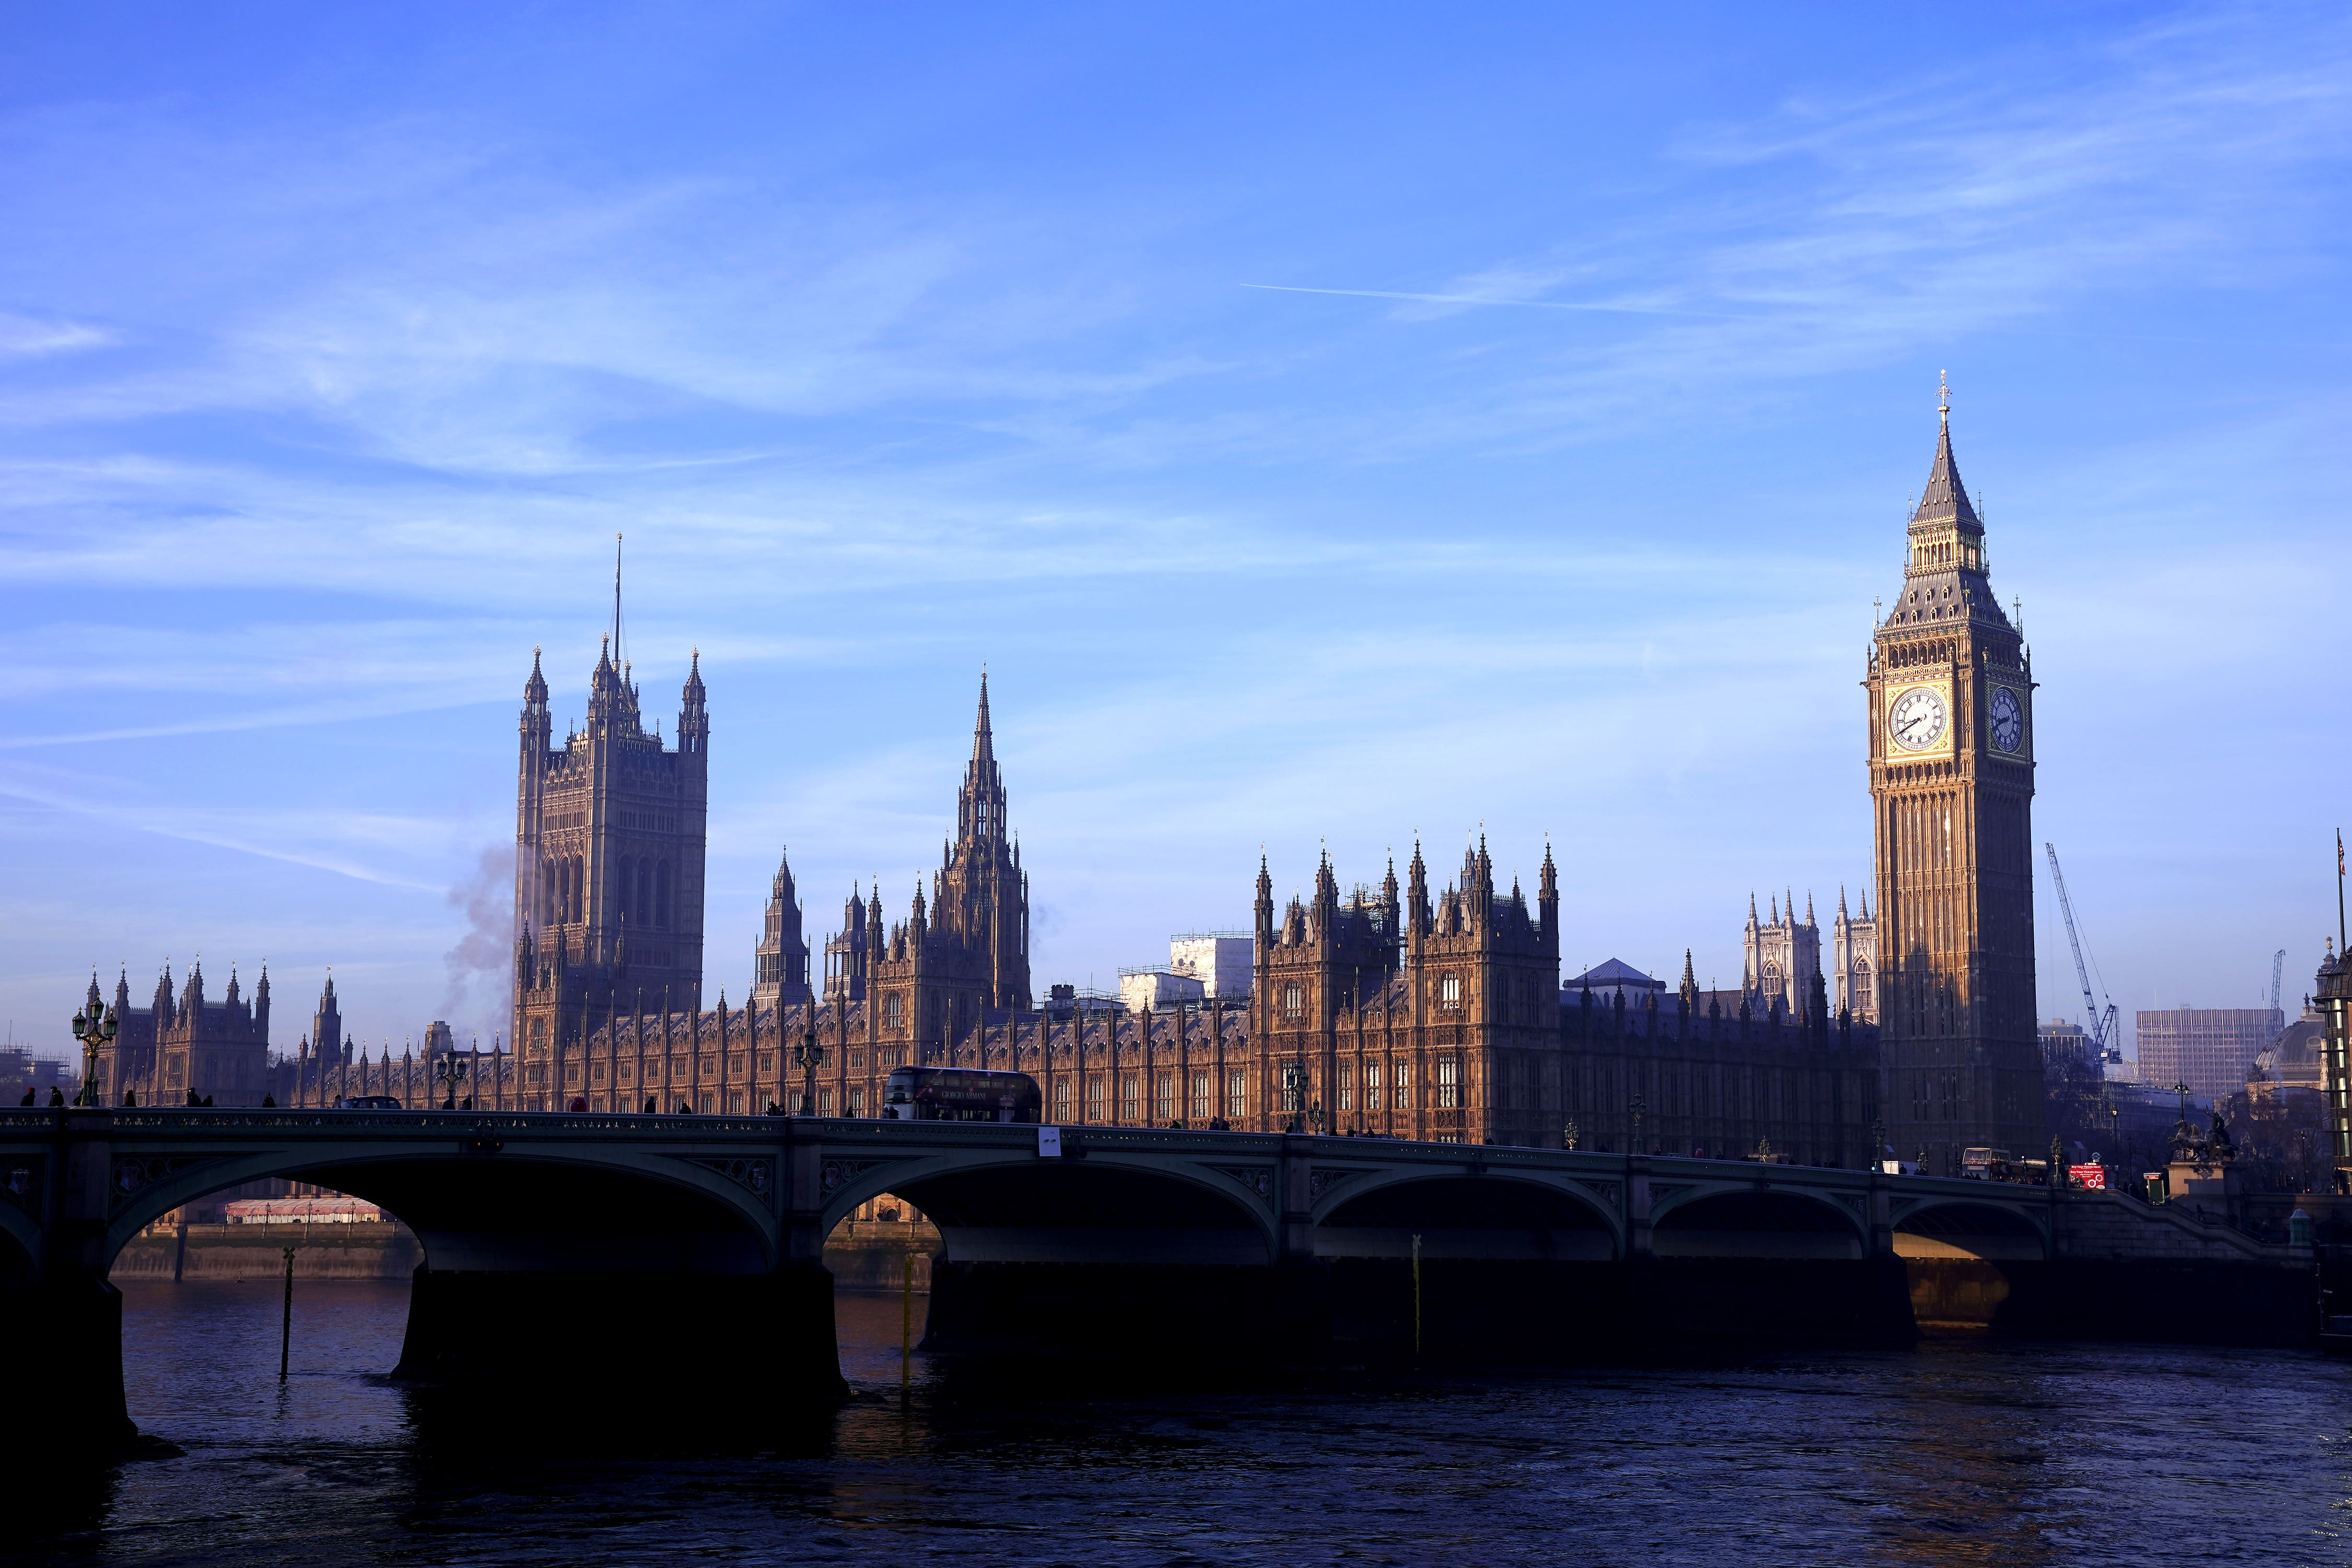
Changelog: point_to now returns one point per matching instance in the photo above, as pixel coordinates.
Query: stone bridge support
(62, 1318)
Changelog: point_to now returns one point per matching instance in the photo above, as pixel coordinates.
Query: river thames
(1957, 1452)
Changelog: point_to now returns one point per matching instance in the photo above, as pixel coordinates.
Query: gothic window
(857, 1102)
(642, 908)
(1235, 1085)
(1294, 999)
(1202, 1109)
(1449, 992)
(661, 895)
(1130, 1100)
(1163, 1097)
(1346, 1086)
(623, 895)
(1094, 1098)
(893, 1010)
(1061, 1100)
(1449, 1083)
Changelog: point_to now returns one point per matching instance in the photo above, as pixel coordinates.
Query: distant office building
(1155, 990)
(21, 1070)
(2207, 1049)
(2065, 1041)
(1219, 960)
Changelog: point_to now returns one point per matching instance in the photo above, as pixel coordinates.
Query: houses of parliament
(1402, 1008)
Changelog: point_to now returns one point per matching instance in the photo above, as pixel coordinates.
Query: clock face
(1917, 718)
(2007, 720)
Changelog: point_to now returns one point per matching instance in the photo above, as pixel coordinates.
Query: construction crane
(2278, 973)
(2106, 1041)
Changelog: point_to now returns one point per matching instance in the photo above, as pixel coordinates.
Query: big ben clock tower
(1951, 784)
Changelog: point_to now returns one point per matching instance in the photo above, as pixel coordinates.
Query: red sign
(2091, 1176)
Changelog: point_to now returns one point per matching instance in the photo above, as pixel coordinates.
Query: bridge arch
(1755, 1222)
(534, 1209)
(1959, 1228)
(1099, 1209)
(1492, 1214)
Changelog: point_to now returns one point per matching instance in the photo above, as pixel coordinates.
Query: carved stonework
(1258, 1179)
(1605, 1191)
(20, 1182)
(134, 1174)
(756, 1176)
(1321, 1182)
(836, 1172)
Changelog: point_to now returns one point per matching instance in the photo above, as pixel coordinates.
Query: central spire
(1946, 498)
(983, 746)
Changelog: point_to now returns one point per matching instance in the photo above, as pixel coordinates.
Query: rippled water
(1959, 1453)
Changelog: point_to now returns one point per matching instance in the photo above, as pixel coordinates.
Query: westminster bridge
(551, 1241)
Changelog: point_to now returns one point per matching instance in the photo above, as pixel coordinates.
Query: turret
(1547, 903)
(1417, 891)
(694, 712)
(1265, 906)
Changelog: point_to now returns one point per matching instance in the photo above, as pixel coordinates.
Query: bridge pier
(65, 1318)
(565, 1331)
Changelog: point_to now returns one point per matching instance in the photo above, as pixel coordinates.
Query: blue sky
(1326, 423)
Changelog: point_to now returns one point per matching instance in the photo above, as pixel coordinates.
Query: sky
(1328, 424)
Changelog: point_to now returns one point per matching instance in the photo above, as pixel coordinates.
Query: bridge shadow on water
(2025, 1455)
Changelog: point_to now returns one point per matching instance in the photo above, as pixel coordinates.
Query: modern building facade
(2207, 1049)
(1220, 959)
(1950, 709)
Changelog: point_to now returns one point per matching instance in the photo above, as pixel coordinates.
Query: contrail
(1488, 300)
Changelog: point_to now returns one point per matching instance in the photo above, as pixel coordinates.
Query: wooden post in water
(907, 1314)
(286, 1319)
(1416, 1297)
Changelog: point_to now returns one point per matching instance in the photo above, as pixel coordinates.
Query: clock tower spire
(1951, 783)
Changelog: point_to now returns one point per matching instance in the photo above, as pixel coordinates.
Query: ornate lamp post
(1294, 1090)
(95, 1032)
(808, 1056)
(449, 1070)
(1315, 1118)
(1878, 1145)
(1638, 1109)
(1568, 1137)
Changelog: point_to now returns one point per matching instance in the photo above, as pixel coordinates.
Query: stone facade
(2332, 995)
(176, 1045)
(780, 965)
(1779, 956)
(1949, 713)
(1854, 962)
(609, 831)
